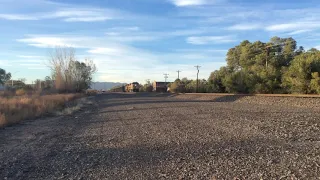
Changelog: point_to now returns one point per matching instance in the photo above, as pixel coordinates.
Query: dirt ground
(162, 136)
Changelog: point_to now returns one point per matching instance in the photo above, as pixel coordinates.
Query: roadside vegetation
(274, 67)
(70, 79)
(18, 108)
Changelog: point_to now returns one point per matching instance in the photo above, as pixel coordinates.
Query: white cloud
(299, 31)
(193, 2)
(188, 2)
(186, 32)
(87, 19)
(17, 17)
(244, 27)
(84, 14)
(5, 63)
(317, 47)
(52, 41)
(131, 34)
(29, 57)
(201, 40)
(293, 26)
(107, 51)
(32, 64)
(69, 13)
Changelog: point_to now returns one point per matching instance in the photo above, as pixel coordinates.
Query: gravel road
(160, 136)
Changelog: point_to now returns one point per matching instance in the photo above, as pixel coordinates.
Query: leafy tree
(147, 87)
(4, 77)
(256, 67)
(315, 83)
(215, 81)
(304, 68)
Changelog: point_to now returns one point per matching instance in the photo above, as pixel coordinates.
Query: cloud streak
(183, 3)
(297, 27)
(244, 27)
(202, 40)
(17, 17)
(189, 2)
(68, 13)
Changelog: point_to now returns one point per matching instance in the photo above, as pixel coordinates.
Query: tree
(255, 67)
(315, 83)
(70, 74)
(302, 76)
(4, 77)
(177, 86)
(48, 82)
(81, 74)
(215, 81)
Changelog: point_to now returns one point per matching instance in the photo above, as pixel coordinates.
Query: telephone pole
(148, 81)
(166, 77)
(197, 66)
(178, 74)
(267, 52)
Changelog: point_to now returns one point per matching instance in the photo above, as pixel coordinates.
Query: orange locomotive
(132, 87)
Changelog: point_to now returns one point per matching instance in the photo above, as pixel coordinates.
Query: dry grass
(16, 109)
(91, 92)
(20, 92)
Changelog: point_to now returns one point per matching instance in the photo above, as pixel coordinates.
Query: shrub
(15, 109)
(20, 92)
(91, 92)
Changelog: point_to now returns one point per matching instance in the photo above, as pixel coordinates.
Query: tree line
(277, 66)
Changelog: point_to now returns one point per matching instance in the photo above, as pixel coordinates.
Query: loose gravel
(161, 136)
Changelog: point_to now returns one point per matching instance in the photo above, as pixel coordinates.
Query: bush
(91, 92)
(16, 109)
(20, 92)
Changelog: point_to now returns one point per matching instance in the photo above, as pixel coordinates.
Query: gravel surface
(160, 136)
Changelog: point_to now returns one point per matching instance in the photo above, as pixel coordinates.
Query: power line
(197, 66)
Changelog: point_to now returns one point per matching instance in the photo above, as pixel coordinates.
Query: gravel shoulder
(157, 136)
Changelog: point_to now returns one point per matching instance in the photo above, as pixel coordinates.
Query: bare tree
(69, 73)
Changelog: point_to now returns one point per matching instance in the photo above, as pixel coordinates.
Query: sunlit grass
(17, 108)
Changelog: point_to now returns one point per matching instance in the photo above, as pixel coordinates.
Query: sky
(135, 40)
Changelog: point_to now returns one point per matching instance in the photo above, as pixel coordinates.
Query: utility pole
(197, 66)
(267, 51)
(178, 74)
(166, 77)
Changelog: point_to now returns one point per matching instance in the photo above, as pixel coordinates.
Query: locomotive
(132, 87)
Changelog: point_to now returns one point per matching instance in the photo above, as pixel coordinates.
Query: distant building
(160, 86)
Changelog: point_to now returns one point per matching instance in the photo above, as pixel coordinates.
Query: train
(131, 87)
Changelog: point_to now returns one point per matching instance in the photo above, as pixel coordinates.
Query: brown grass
(91, 92)
(20, 92)
(16, 109)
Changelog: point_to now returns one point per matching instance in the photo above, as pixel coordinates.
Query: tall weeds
(16, 109)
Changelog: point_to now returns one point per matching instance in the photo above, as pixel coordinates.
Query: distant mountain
(104, 85)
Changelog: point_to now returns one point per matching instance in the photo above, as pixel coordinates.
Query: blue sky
(135, 40)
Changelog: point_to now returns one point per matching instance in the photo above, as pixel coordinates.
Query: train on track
(132, 87)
